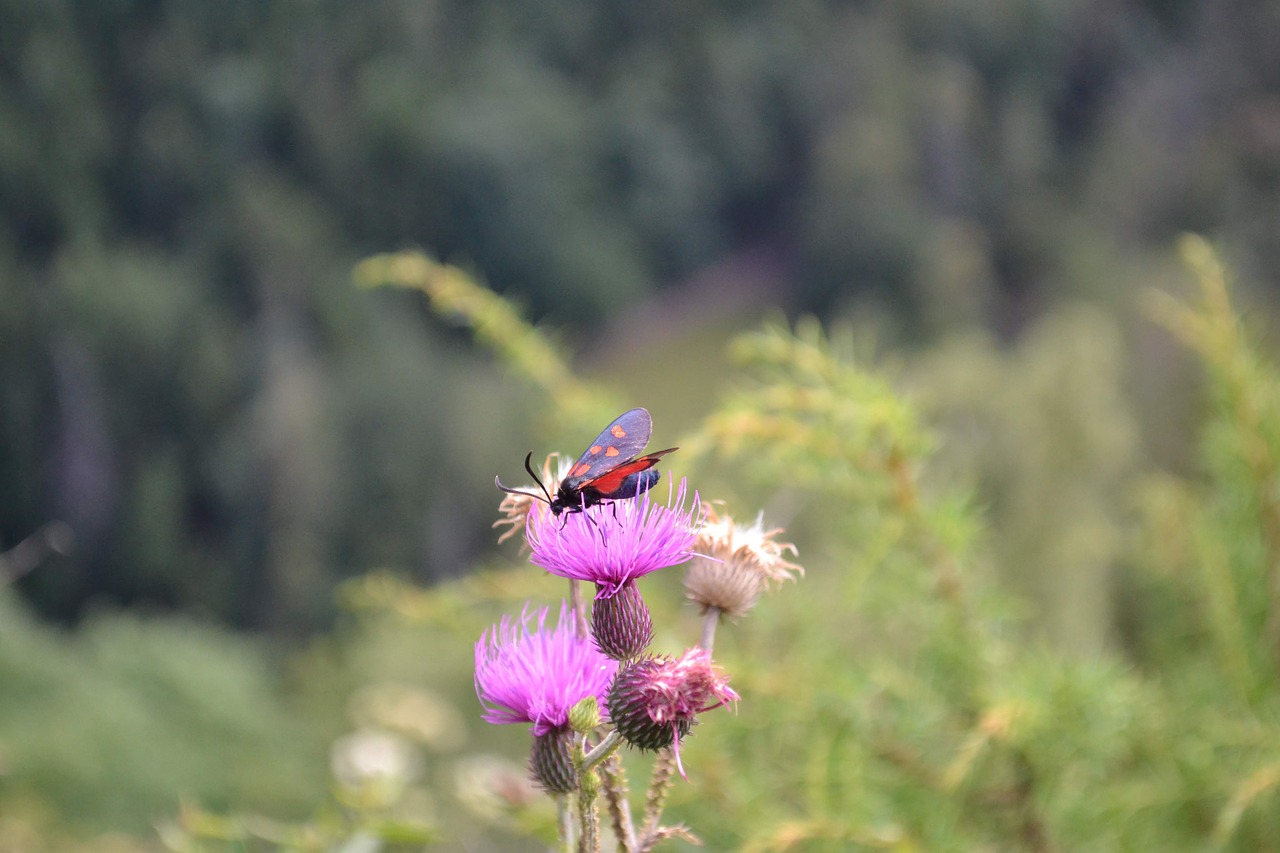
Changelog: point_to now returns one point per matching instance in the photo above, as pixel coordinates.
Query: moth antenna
(497, 481)
(535, 476)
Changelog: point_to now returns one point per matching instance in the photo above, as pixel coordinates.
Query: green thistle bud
(551, 761)
(630, 704)
(621, 623)
(585, 716)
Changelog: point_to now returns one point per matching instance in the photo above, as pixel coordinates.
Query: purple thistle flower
(527, 674)
(613, 544)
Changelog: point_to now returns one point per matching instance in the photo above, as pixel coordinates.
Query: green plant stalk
(602, 750)
(578, 605)
(455, 295)
(1213, 330)
(1222, 344)
(615, 792)
(664, 768)
(588, 791)
(564, 821)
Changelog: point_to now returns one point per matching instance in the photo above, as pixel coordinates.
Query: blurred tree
(184, 187)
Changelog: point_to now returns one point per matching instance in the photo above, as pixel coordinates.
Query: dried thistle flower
(515, 506)
(736, 563)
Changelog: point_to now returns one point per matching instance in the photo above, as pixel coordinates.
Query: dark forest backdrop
(190, 381)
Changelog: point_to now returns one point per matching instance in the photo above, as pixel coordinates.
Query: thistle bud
(653, 702)
(551, 761)
(630, 705)
(585, 716)
(621, 623)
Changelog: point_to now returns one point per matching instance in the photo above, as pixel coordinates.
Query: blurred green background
(975, 200)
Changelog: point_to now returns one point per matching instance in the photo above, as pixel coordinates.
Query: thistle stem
(659, 786)
(578, 606)
(588, 790)
(564, 820)
(615, 792)
(709, 621)
(602, 750)
(589, 837)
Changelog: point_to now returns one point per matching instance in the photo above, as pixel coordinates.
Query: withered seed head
(736, 563)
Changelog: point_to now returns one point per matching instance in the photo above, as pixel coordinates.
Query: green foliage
(112, 725)
(894, 700)
(1230, 522)
(912, 715)
(495, 323)
(412, 763)
(1045, 433)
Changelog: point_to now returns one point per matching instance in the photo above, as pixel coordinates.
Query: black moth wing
(619, 442)
(627, 480)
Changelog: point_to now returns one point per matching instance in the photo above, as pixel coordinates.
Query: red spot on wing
(579, 469)
(595, 448)
(618, 431)
(612, 451)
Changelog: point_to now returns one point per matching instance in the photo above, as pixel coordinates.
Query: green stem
(578, 607)
(588, 789)
(564, 820)
(615, 792)
(602, 750)
(664, 768)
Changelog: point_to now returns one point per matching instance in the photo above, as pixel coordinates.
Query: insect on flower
(610, 469)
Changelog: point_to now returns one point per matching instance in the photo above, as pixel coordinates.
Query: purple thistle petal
(619, 542)
(527, 674)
